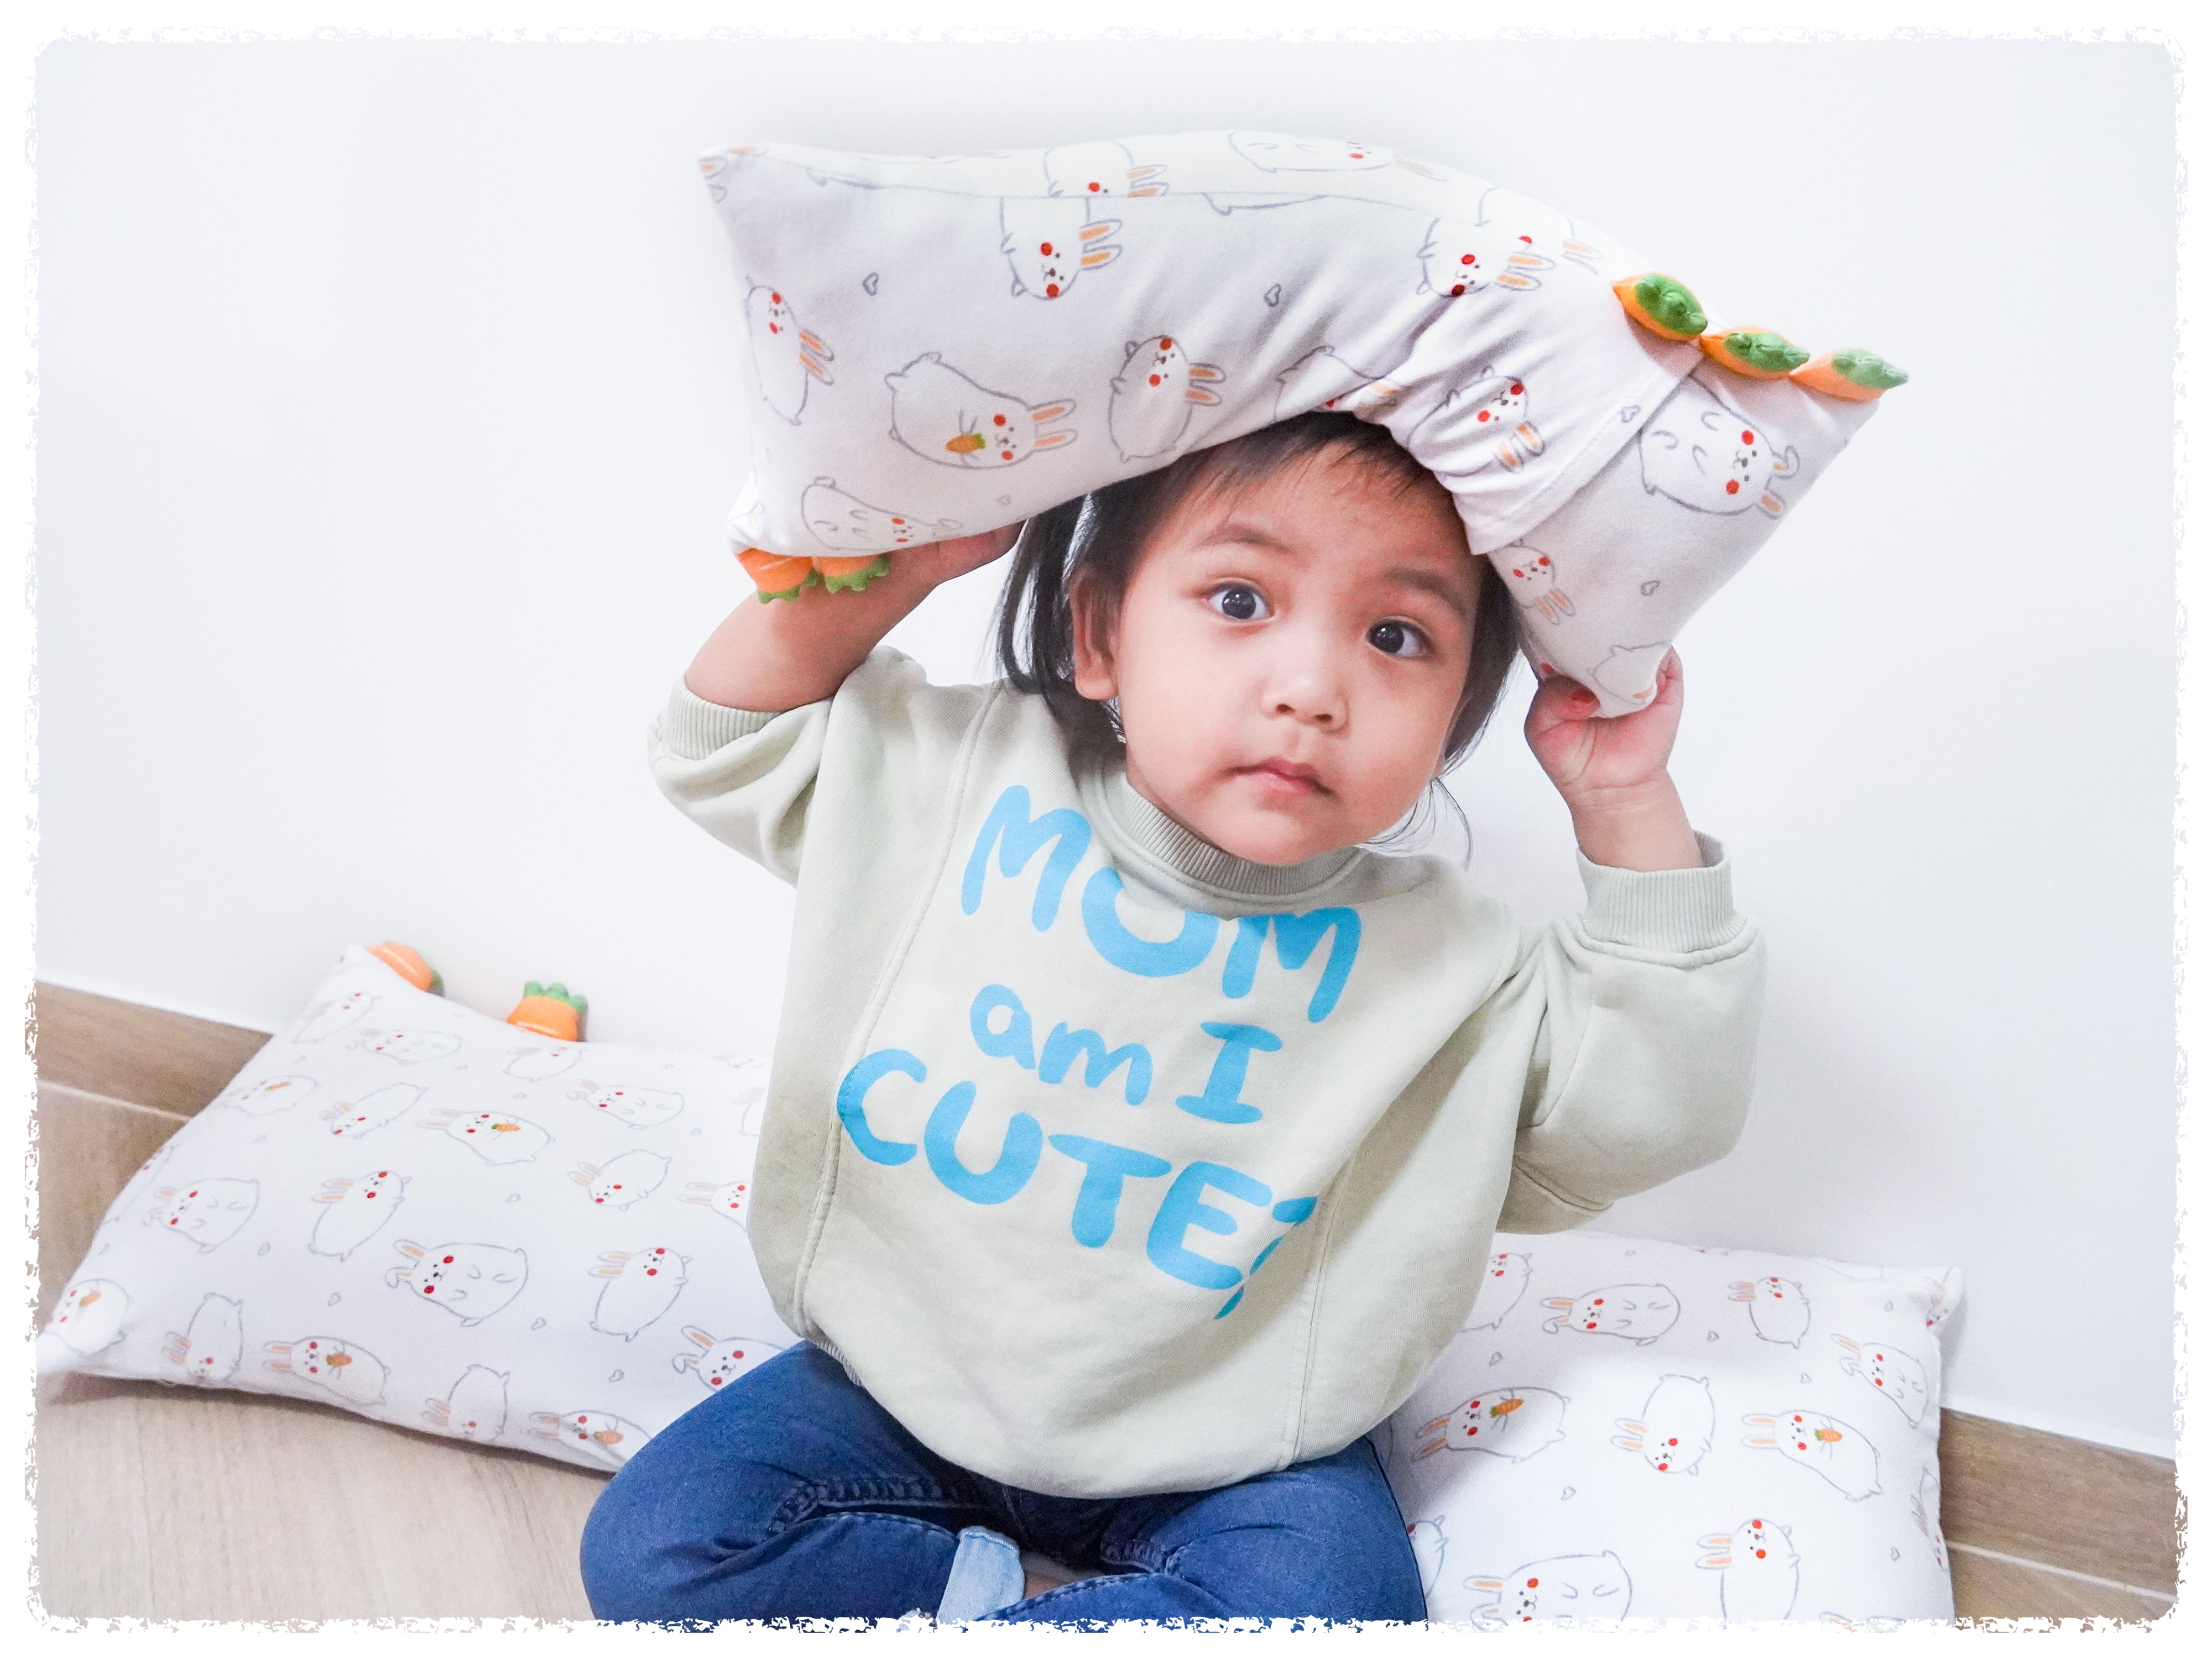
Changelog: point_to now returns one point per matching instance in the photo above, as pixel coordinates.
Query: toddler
(1137, 1129)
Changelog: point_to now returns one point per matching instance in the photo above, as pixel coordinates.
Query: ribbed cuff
(693, 728)
(1674, 910)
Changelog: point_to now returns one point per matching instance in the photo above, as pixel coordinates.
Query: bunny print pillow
(941, 346)
(413, 1210)
(1627, 1429)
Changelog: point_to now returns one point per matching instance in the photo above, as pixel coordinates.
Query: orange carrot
(841, 575)
(551, 1011)
(1757, 353)
(407, 961)
(1852, 375)
(777, 576)
(1662, 304)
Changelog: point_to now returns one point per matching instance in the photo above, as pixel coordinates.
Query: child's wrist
(1636, 827)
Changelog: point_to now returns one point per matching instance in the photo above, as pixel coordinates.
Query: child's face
(1288, 656)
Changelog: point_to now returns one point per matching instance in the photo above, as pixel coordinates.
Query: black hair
(1096, 539)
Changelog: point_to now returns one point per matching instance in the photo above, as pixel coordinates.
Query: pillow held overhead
(942, 346)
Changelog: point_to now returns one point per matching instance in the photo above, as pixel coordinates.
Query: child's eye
(1397, 639)
(1237, 602)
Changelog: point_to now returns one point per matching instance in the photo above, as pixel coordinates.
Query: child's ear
(1094, 675)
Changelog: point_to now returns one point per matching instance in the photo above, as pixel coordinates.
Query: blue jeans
(792, 1494)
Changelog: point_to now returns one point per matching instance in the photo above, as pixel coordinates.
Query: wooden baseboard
(2040, 1525)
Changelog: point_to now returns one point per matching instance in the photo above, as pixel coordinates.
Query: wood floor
(142, 1490)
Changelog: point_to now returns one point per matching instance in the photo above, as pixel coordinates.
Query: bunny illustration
(1535, 224)
(728, 1201)
(539, 1062)
(1581, 1587)
(475, 1408)
(206, 1213)
(1703, 455)
(88, 1318)
(353, 1208)
(335, 1015)
(1503, 409)
(1832, 1448)
(1459, 258)
(642, 1109)
(1154, 395)
(943, 417)
(1323, 380)
(1503, 1283)
(1779, 1311)
(495, 1137)
(472, 1282)
(1902, 1380)
(601, 1436)
(266, 1095)
(1050, 241)
(332, 1365)
(1676, 1430)
(787, 358)
(1100, 169)
(209, 1349)
(1926, 1506)
(1282, 152)
(1428, 1540)
(1632, 670)
(622, 1178)
(641, 1285)
(1641, 1313)
(408, 1048)
(1758, 1566)
(351, 1120)
(720, 1361)
(1535, 583)
(846, 523)
(1515, 1423)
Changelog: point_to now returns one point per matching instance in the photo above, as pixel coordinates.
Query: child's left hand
(1613, 772)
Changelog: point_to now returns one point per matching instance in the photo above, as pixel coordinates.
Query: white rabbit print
(1898, 1377)
(728, 1201)
(535, 1064)
(605, 1438)
(1534, 581)
(1676, 1429)
(1830, 1447)
(1351, 390)
(1459, 258)
(641, 1286)
(1702, 455)
(1503, 1282)
(1758, 1566)
(332, 1365)
(206, 1212)
(623, 1180)
(89, 1316)
(1101, 168)
(1534, 223)
(1428, 1540)
(1641, 1313)
(353, 1208)
(268, 1094)
(1515, 1423)
(348, 1121)
(1927, 1504)
(1581, 1587)
(715, 1360)
(475, 1408)
(787, 358)
(408, 1048)
(1632, 670)
(335, 1015)
(495, 1137)
(943, 417)
(846, 523)
(1502, 410)
(1050, 241)
(472, 1282)
(1779, 1310)
(1283, 152)
(207, 1350)
(642, 1109)
(1155, 395)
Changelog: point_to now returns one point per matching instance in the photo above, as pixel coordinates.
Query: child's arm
(789, 653)
(1613, 773)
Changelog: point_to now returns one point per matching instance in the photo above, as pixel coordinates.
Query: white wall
(387, 423)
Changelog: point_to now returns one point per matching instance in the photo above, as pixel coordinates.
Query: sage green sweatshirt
(1109, 1163)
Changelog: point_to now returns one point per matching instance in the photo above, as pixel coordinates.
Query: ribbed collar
(1150, 834)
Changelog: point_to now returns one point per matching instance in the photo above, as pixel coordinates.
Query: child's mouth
(1285, 778)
